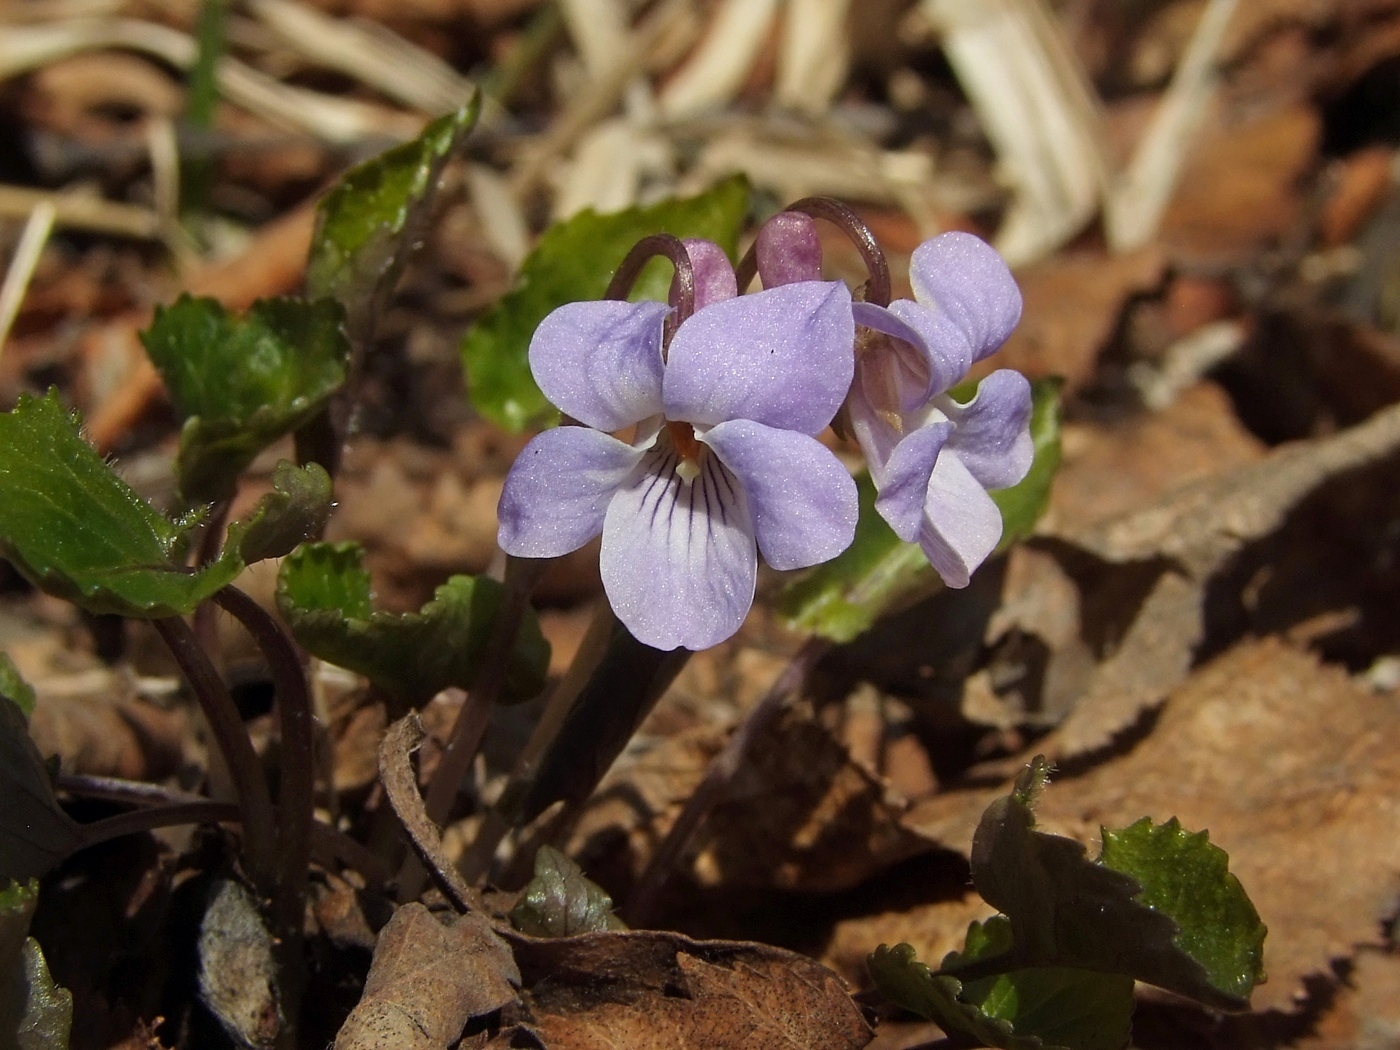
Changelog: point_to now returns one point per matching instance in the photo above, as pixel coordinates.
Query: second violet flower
(691, 459)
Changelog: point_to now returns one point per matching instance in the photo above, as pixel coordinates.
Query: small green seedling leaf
(242, 382)
(1033, 1009)
(323, 592)
(35, 833)
(35, 1014)
(879, 574)
(561, 901)
(573, 262)
(295, 510)
(1194, 932)
(368, 224)
(77, 531)
(14, 688)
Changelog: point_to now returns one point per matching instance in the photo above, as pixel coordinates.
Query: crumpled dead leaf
(647, 990)
(427, 980)
(1290, 765)
(1162, 560)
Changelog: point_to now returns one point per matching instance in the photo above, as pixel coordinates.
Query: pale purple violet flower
(722, 463)
(931, 458)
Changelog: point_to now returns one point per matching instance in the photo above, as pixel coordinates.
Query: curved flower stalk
(932, 458)
(721, 461)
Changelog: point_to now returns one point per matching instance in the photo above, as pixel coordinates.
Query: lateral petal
(558, 490)
(993, 431)
(600, 362)
(803, 501)
(679, 562)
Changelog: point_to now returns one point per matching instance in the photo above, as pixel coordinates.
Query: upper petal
(941, 343)
(904, 482)
(679, 562)
(961, 526)
(600, 362)
(963, 277)
(558, 489)
(993, 430)
(802, 499)
(783, 357)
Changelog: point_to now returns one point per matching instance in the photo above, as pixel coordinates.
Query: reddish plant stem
(254, 799)
(297, 794)
(720, 774)
(521, 576)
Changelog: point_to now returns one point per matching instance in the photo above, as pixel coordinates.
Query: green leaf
(561, 901)
(573, 262)
(367, 225)
(14, 688)
(243, 382)
(1184, 875)
(35, 833)
(323, 592)
(880, 574)
(77, 531)
(35, 1014)
(1036, 1009)
(295, 510)
(1195, 932)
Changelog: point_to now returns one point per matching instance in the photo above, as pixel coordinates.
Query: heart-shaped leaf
(35, 1014)
(367, 225)
(323, 592)
(243, 382)
(76, 530)
(561, 901)
(295, 510)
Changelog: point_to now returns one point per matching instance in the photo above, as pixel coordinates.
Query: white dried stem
(1038, 111)
(31, 245)
(717, 69)
(598, 29)
(1139, 196)
(502, 220)
(368, 52)
(327, 117)
(814, 55)
(82, 211)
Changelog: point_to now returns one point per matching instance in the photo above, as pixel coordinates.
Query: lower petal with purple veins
(802, 499)
(961, 525)
(557, 492)
(679, 560)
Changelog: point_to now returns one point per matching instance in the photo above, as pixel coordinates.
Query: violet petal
(600, 362)
(783, 357)
(993, 435)
(904, 489)
(963, 277)
(962, 525)
(803, 501)
(934, 335)
(558, 490)
(679, 561)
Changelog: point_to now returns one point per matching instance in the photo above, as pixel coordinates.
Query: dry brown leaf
(1161, 561)
(1366, 1015)
(1072, 305)
(1241, 188)
(1291, 767)
(647, 991)
(427, 980)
